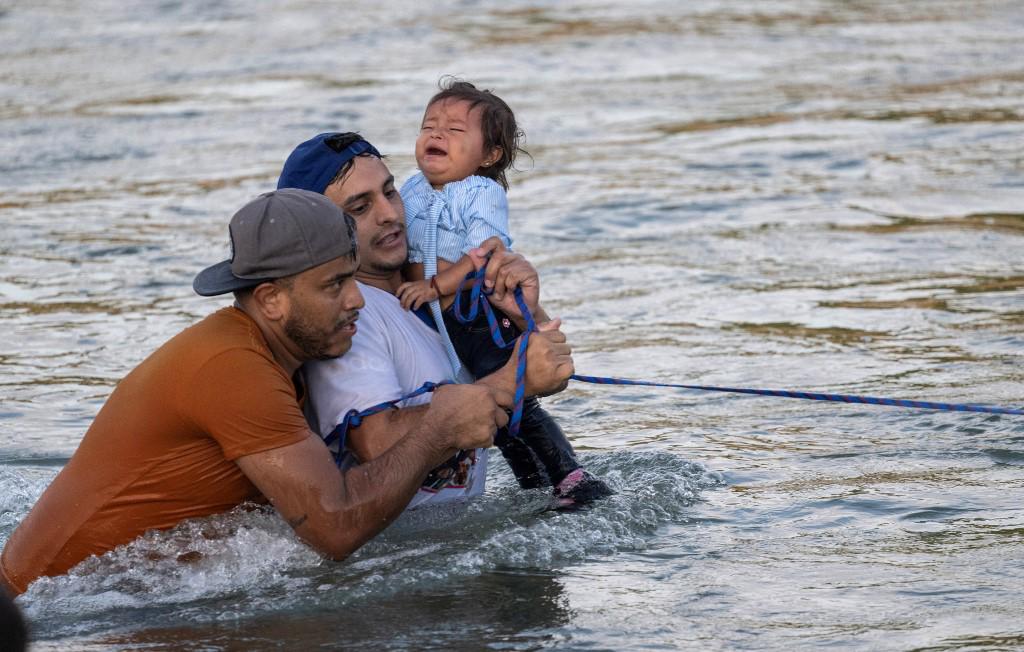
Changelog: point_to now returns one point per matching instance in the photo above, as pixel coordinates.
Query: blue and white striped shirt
(472, 210)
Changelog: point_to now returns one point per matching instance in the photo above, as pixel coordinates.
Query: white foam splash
(244, 549)
(248, 561)
(18, 492)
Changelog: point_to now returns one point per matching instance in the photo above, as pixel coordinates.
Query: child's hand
(415, 293)
(480, 255)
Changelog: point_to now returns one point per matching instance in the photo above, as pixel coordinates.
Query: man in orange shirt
(213, 417)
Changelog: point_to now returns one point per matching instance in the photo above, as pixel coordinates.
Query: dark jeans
(540, 454)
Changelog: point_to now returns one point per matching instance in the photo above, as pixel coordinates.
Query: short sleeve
(485, 214)
(246, 403)
(415, 194)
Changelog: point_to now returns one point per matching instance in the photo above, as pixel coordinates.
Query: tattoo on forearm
(296, 522)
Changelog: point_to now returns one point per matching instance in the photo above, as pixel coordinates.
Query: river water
(799, 194)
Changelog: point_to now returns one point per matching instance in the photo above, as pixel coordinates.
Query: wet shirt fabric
(469, 211)
(392, 355)
(162, 448)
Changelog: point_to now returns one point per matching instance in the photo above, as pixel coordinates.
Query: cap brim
(218, 279)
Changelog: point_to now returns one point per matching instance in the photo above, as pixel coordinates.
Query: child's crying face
(450, 146)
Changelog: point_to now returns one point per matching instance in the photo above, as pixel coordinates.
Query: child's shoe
(580, 488)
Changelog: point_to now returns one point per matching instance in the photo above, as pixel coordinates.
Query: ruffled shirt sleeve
(416, 197)
(482, 207)
(468, 212)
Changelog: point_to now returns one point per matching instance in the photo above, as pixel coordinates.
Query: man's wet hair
(339, 142)
(497, 122)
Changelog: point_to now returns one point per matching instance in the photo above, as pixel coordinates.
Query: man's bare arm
(379, 432)
(336, 513)
(549, 365)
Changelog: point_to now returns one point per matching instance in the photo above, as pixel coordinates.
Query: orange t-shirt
(162, 448)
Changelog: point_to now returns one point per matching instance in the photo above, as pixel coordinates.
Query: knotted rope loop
(478, 301)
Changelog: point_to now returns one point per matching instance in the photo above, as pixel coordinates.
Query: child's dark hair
(497, 122)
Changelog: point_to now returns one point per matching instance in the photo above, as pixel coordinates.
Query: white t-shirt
(393, 353)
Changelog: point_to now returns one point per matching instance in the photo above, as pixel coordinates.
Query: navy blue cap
(313, 164)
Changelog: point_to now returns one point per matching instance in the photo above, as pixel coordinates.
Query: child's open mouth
(436, 151)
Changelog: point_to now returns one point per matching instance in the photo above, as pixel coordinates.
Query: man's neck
(387, 281)
(278, 344)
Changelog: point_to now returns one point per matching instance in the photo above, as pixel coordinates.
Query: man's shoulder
(226, 337)
(376, 300)
(228, 328)
(383, 309)
(392, 330)
(229, 320)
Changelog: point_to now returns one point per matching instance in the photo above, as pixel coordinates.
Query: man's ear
(271, 300)
(493, 157)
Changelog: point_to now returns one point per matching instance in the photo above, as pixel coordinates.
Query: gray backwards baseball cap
(278, 234)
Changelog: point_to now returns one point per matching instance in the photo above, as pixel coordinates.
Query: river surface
(793, 194)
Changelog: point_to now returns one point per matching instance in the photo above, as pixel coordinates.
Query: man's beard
(383, 267)
(313, 342)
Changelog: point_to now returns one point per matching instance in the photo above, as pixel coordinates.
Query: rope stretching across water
(478, 301)
(476, 295)
(812, 396)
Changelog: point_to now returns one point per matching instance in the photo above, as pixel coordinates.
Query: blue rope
(477, 296)
(478, 301)
(811, 396)
(353, 418)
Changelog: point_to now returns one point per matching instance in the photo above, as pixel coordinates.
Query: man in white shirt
(395, 352)
(394, 355)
